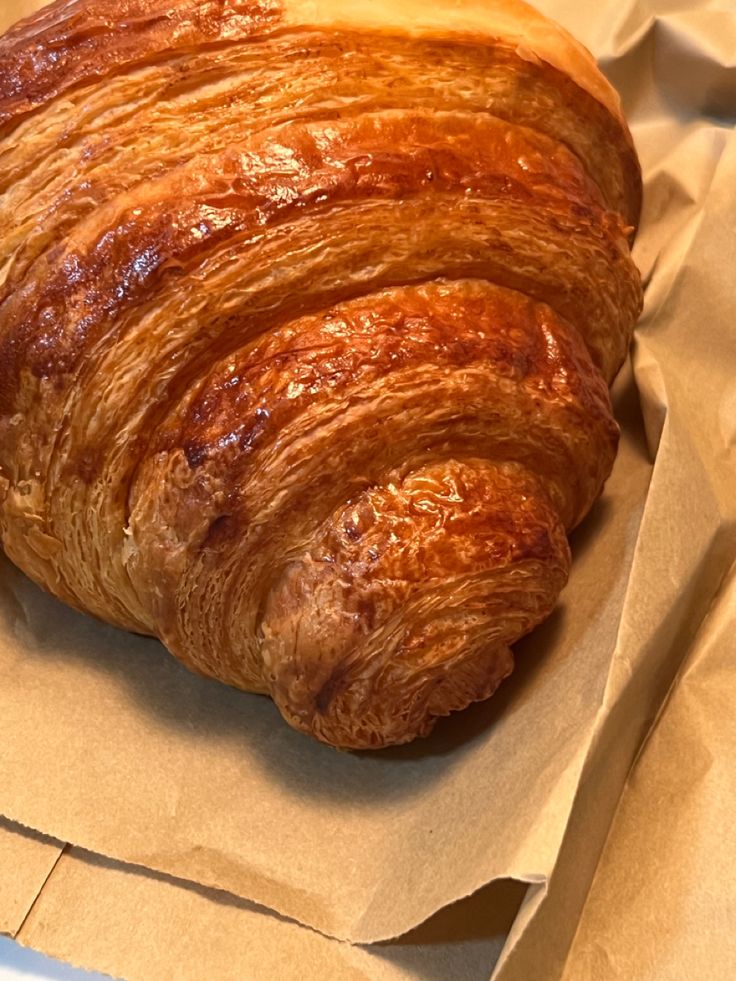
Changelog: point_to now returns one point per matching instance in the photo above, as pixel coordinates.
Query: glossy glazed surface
(305, 334)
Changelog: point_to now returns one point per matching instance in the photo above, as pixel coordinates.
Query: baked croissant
(308, 315)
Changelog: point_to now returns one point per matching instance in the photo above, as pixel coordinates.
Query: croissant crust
(307, 321)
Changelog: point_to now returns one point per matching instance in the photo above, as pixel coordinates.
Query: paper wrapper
(663, 901)
(205, 804)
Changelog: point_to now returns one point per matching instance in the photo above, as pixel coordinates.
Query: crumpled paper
(109, 744)
(663, 901)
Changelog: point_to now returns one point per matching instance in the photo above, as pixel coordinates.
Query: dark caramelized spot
(221, 530)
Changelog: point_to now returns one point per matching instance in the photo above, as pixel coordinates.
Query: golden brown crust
(117, 255)
(269, 274)
(99, 37)
(245, 468)
(399, 612)
(71, 43)
(511, 21)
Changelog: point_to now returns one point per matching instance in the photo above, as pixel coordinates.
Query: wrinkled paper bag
(205, 837)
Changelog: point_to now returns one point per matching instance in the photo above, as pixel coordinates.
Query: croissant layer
(307, 317)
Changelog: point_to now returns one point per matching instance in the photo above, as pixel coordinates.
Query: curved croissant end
(306, 324)
(404, 607)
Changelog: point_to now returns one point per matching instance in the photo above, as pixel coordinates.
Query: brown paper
(128, 922)
(684, 362)
(663, 902)
(26, 861)
(108, 743)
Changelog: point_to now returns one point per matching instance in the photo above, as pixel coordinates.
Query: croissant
(308, 313)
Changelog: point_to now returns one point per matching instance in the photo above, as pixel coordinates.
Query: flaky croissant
(308, 315)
